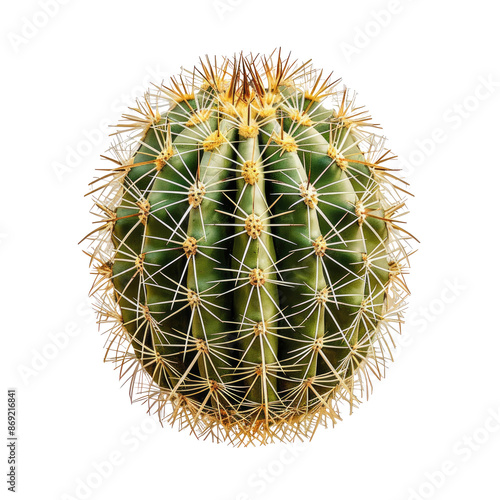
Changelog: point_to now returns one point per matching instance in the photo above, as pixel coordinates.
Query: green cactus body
(252, 259)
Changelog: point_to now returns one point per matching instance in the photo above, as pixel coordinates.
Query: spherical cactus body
(249, 256)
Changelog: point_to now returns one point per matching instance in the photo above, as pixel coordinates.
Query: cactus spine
(250, 257)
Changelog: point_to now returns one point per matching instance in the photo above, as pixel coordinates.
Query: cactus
(249, 258)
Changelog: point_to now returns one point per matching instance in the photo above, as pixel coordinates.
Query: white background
(420, 67)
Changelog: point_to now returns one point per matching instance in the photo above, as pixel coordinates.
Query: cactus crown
(249, 256)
